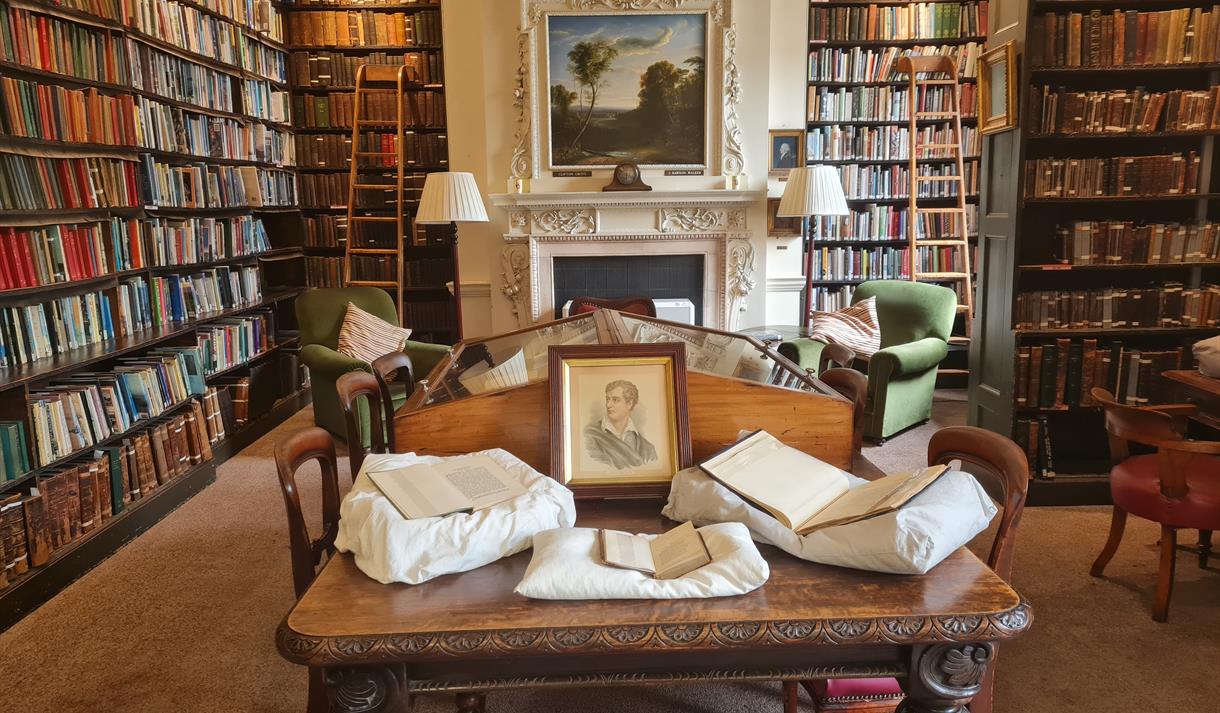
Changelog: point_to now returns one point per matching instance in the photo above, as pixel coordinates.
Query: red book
(44, 45)
(133, 245)
(88, 197)
(89, 248)
(31, 275)
(68, 248)
(7, 250)
(70, 196)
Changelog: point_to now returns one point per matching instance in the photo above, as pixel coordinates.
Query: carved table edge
(386, 648)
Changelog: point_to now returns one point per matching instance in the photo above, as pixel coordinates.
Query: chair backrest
(631, 305)
(853, 385)
(836, 354)
(320, 311)
(351, 387)
(1001, 468)
(909, 311)
(308, 444)
(1147, 426)
(395, 368)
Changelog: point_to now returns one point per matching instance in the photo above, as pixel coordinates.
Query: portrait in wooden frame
(998, 89)
(778, 227)
(619, 425)
(786, 150)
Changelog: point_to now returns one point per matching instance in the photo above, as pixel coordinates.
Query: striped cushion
(366, 336)
(854, 327)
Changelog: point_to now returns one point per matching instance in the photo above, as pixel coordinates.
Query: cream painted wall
(480, 67)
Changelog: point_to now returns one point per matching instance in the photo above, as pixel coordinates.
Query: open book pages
(668, 556)
(460, 484)
(876, 498)
(791, 485)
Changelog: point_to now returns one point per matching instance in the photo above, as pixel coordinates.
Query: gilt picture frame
(619, 424)
(998, 110)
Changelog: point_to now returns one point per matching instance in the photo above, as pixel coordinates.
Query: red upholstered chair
(1178, 486)
(1001, 468)
(631, 305)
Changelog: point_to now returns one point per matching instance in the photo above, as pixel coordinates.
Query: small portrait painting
(787, 150)
(620, 414)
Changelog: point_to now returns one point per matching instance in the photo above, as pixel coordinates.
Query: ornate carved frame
(725, 154)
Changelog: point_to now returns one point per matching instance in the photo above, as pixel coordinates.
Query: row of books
(186, 27)
(201, 185)
(862, 182)
(424, 109)
(227, 343)
(889, 222)
(915, 21)
(380, 268)
(179, 298)
(37, 182)
(52, 44)
(879, 65)
(325, 231)
(427, 272)
(169, 128)
(324, 271)
(1033, 436)
(1122, 111)
(14, 451)
(885, 103)
(335, 69)
(183, 241)
(265, 61)
(1125, 242)
(329, 190)
(1162, 174)
(830, 299)
(82, 495)
(54, 254)
(882, 263)
(359, 28)
(1063, 373)
(172, 77)
(862, 143)
(263, 17)
(371, 3)
(45, 329)
(1125, 37)
(432, 315)
(262, 100)
(1168, 305)
(32, 110)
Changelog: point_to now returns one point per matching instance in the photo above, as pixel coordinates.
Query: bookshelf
(856, 111)
(150, 252)
(1102, 252)
(328, 41)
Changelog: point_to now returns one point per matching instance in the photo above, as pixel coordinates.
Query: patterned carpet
(183, 619)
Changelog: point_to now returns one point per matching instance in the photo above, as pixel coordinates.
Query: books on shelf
(50, 112)
(1061, 374)
(335, 69)
(163, 127)
(848, 104)
(54, 254)
(889, 222)
(1121, 111)
(862, 143)
(830, 299)
(44, 329)
(261, 100)
(840, 263)
(179, 298)
(1170, 305)
(914, 21)
(40, 183)
(1034, 437)
(183, 26)
(324, 271)
(226, 343)
(430, 315)
(878, 65)
(202, 185)
(1125, 242)
(172, 77)
(359, 28)
(1125, 37)
(425, 109)
(1114, 176)
(182, 241)
(325, 231)
(53, 44)
(14, 450)
(869, 181)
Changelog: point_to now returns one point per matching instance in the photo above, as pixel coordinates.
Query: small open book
(677, 552)
(460, 484)
(804, 493)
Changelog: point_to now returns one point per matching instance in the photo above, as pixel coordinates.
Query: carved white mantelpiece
(545, 226)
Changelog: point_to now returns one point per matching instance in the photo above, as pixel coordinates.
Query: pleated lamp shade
(812, 190)
(451, 197)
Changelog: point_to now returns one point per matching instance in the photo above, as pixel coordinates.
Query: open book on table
(677, 552)
(461, 484)
(804, 493)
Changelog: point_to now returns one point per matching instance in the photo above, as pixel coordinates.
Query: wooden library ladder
(946, 76)
(371, 80)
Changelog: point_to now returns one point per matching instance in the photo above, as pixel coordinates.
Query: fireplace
(614, 277)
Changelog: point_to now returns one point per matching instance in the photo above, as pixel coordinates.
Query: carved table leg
(369, 689)
(470, 702)
(945, 677)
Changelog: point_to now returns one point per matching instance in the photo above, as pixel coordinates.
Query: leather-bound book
(37, 528)
(86, 489)
(1047, 382)
(1022, 380)
(201, 431)
(12, 529)
(135, 487)
(144, 461)
(1088, 371)
(1061, 370)
(1074, 377)
(177, 437)
(71, 480)
(105, 498)
(161, 464)
(1035, 376)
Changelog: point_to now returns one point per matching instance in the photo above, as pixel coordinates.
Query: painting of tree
(627, 88)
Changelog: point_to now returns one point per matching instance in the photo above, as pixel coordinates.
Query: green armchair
(916, 319)
(320, 314)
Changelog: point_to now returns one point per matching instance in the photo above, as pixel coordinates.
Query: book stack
(870, 181)
(56, 254)
(858, 65)
(425, 109)
(1116, 176)
(1125, 38)
(880, 223)
(1125, 242)
(53, 44)
(54, 113)
(325, 231)
(882, 104)
(1121, 111)
(361, 28)
(262, 100)
(335, 69)
(1171, 305)
(873, 143)
(52, 327)
(227, 343)
(178, 298)
(915, 21)
(324, 271)
(429, 315)
(183, 241)
(427, 272)
(172, 77)
(39, 183)
(1061, 374)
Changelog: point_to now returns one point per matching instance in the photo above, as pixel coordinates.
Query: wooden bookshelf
(1053, 246)
(325, 252)
(269, 248)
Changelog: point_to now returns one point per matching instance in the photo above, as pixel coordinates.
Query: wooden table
(1195, 388)
(468, 634)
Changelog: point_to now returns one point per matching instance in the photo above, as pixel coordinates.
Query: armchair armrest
(425, 357)
(910, 358)
(328, 363)
(803, 352)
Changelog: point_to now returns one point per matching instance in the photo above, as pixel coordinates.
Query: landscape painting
(627, 88)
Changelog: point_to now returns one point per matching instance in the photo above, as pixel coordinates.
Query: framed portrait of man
(787, 150)
(618, 417)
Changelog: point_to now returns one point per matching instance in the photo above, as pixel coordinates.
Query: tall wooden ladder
(367, 162)
(925, 72)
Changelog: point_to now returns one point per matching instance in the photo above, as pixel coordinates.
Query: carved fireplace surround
(545, 226)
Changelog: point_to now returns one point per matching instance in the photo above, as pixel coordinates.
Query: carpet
(183, 619)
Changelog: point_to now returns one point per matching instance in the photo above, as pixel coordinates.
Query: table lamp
(451, 197)
(812, 191)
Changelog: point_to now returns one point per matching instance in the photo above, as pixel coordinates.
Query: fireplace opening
(659, 277)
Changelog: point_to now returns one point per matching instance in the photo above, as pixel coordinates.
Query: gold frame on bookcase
(998, 65)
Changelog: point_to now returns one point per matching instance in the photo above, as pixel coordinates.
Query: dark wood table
(468, 634)
(1202, 391)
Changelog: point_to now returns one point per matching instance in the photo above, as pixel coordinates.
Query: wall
(481, 64)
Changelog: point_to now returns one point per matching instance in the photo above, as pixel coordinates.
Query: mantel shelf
(625, 199)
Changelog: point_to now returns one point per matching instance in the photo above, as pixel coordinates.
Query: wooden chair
(853, 385)
(632, 305)
(312, 443)
(1178, 486)
(836, 354)
(1001, 468)
(395, 368)
(351, 387)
